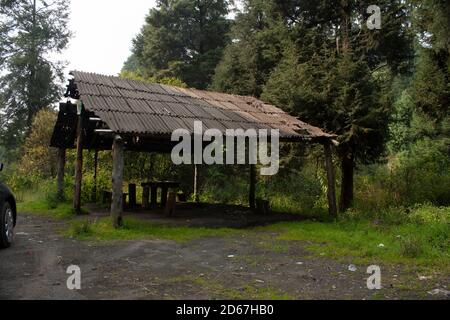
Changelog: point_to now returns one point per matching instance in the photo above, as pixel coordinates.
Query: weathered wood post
(146, 197)
(79, 161)
(252, 192)
(117, 182)
(332, 206)
(196, 184)
(61, 165)
(132, 195)
(94, 190)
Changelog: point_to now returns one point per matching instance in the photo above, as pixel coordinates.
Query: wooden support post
(331, 180)
(132, 195)
(117, 182)
(196, 185)
(169, 209)
(61, 172)
(78, 166)
(154, 196)
(145, 197)
(94, 190)
(252, 192)
(164, 191)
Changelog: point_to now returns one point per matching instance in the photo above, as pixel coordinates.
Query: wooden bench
(150, 193)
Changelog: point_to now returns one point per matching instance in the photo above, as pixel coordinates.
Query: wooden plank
(78, 166)
(117, 182)
(252, 191)
(331, 193)
(61, 165)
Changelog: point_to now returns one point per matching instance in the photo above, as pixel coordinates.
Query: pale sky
(103, 31)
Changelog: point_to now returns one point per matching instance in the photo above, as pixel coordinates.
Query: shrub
(411, 247)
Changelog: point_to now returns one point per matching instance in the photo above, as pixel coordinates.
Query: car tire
(6, 226)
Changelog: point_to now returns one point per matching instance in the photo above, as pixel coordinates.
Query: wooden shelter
(110, 113)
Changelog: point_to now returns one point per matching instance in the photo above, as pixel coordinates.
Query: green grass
(136, 229)
(244, 291)
(422, 244)
(41, 207)
(418, 236)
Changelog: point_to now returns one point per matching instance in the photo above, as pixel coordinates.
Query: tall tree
(331, 70)
(430, 90)
(257, 45)
(30, 31)
(182, 39)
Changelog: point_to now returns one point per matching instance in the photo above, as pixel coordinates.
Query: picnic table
(150, 192)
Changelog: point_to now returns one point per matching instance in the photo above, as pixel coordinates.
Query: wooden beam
(61, 165)
(78, 166)
(252, 191)
(117, 182)
(331, 193)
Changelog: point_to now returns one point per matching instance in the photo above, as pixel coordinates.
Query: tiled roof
(135, 107)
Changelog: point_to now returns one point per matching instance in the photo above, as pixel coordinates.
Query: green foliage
(258, 34)
(416, 176)
(360, 240)
(170, 81)
(38, 158)
(182, 39)
(28, 36)
(41, 207)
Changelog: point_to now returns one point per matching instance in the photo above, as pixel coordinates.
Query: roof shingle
(128, 106)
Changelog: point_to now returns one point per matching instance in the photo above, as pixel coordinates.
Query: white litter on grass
(352, 268)
(381, 245)
(439, 291)
(425, 277)
(259, 281)
(299, 263)
(231, 256)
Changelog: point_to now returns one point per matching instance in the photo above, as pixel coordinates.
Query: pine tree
(430, 90)
(182, 39)
(29, 32)
(336, 74)
(256, 49)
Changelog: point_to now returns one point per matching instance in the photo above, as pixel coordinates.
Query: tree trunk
(117, 183)
(347, 170)
(61, 172)
(331, 190)
(346, 25)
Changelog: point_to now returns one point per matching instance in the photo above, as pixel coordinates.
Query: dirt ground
(235, 267)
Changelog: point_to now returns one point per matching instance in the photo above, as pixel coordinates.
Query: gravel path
(234, 267)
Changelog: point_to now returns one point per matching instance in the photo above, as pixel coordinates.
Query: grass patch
(136, 229)
(42, 208)
(364, 241)
(244, 292)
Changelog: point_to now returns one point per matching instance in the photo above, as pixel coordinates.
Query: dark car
(8, 215)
